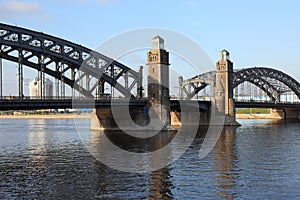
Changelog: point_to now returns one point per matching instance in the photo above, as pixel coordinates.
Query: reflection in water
(37, 140)
(45, 159)
(127, 153)
(160, 184)
(225, 162)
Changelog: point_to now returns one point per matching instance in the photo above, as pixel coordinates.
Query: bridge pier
(104, 119)
(158, 97)
(224, 89)
(158, 80)
(188, 118)
(287, 113)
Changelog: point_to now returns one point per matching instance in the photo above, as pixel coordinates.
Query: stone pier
(224, 89)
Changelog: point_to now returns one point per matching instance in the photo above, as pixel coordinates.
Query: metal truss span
(259, 76)
(79, 67)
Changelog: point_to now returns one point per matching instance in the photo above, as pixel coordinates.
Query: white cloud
(21, 9)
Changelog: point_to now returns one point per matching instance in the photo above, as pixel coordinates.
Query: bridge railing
(192, 99)
(266, 101)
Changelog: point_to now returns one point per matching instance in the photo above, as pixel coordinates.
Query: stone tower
(224, 87)
(158, 79)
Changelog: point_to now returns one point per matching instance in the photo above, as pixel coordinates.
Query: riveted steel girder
(262, 77)
(72, 62)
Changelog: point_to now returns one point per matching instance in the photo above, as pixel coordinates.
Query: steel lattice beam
(63, 60)
(259, 76)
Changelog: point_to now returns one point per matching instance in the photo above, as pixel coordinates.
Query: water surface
(45, 159)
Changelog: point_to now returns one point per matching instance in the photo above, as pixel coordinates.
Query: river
(46, 159)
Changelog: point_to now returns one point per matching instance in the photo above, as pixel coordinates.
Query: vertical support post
(1, 80)
(189, 88)
(100, 88)
(43, 84)
(73, 79)
(57, 88)
(20, 74)
(62, 83)
(126, 80)
(113, 77)
(87, 81)
(140, 82)
(41, 78)
(180, 80)
(56, 81)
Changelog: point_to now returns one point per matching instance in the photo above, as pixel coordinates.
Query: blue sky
(256, 33)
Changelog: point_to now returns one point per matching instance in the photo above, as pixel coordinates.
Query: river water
(45, 159)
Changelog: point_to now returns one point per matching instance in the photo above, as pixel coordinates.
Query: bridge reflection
(163, 183)
(225, 162)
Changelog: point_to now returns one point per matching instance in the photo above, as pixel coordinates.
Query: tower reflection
(225, 162)
(152, 185)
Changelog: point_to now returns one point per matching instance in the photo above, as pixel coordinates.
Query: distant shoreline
(88, 116)
(257, 116)
(48, 116)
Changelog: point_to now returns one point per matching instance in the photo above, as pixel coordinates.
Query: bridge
(88, 73)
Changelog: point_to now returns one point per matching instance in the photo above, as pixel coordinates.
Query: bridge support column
(287, 113)
(224, 89)
(188, 118)
(103, 118)
(158, 80)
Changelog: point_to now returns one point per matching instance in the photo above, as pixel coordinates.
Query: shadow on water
(162, 183)
(46, 159)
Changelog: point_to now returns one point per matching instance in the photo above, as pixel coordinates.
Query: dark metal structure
(69, 103)
(266, 79)
(34, 104)
(86, 71)
(81, 68)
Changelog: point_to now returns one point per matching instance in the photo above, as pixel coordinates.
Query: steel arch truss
(262, 77)
(193, 86)
(267, 87)
(266, 79)
(77, 66)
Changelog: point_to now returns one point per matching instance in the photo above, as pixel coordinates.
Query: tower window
(153, 69)
(153, 95)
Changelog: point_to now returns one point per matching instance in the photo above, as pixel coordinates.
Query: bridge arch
(258, 76)
(66, 61)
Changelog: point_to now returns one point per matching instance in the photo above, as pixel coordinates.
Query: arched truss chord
(267, 87)
(264, 74)
(193, 86)
(259, 76)
(77, 66)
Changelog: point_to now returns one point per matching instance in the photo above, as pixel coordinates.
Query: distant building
(38, 90)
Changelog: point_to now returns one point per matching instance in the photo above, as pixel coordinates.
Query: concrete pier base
(231, 121)
(287, 113)
(103, 119)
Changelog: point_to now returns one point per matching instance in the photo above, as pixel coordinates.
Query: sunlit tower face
(158, 78)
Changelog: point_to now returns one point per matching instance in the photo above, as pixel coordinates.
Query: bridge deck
(247, 104)
(35, 104)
